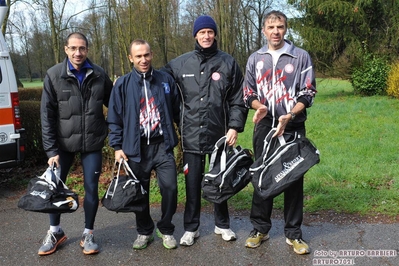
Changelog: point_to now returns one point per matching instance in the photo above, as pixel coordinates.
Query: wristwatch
(292, 115)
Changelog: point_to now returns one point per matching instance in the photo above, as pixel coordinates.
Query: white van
(12, 135)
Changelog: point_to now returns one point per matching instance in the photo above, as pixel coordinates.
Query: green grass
(34, 84)
(357, 139)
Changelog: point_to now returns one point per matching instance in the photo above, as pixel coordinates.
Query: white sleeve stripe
(306, 70)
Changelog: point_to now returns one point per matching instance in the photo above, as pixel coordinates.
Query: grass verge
(357, 138)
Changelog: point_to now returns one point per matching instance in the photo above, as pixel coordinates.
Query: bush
(393, 81)
(33, 94)
(30, 115)
(371, 77)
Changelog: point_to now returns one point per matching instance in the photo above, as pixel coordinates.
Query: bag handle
(134, 178)
(129, 171)
(53, 171)
(221, 142)
(117, 175)
(269, 139)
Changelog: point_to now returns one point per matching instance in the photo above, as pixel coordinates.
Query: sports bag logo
(284, 160)
(288, 167)
(42, 194)
(228, 172)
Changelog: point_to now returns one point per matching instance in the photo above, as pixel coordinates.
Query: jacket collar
(147, 75)
(66, 72)
(207, 52)
(289, 51)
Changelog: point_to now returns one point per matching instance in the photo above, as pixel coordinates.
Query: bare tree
(24, 33)
(5, 21)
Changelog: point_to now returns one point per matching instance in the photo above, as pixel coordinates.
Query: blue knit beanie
(204, 22)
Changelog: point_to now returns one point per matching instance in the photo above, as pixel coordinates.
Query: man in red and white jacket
(279, 84)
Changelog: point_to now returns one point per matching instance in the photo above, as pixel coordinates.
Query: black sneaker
(88, 244)
(51, 242)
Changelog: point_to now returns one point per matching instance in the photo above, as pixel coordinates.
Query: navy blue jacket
(124, 111)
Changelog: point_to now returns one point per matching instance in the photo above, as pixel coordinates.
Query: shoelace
(253, 233)
(142, 237)
(49, 239)
(168, 237)
(89, 239)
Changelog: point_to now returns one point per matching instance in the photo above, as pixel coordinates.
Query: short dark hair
(77, 35)
(275, 14)
(138, 41)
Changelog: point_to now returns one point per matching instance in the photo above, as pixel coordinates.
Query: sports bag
(284, 160)
(47, 193)
(124, 193)
(228, 172)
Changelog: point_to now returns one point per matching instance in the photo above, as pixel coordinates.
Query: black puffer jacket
(72, 118)
(210, 82)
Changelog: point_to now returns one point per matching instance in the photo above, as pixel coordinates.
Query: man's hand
(54, 160)
(231, 137)
(260, 113)
(120, 154)
(282, 123)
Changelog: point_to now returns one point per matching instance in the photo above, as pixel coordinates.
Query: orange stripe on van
(6, 116)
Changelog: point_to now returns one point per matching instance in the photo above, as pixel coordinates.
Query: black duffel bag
(124, 193)
(47, 193)
(228, 172)
(284, 160)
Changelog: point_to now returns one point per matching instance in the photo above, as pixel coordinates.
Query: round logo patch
(215, 76)
(3, 137)
(289, 68)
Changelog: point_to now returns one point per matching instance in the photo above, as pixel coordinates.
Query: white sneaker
(188, 238)
(227, 234)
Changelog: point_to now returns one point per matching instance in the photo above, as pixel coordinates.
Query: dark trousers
(154, 157)
(92, 164)
(293, 196)
(194, 176)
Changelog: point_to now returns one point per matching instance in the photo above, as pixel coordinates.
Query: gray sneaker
(188, 238)
(142, 241)
(88, 244)
(169, 241)
(227, 234)
(51, 242)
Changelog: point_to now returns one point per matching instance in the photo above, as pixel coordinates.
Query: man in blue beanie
(204, 22)
(210, 81)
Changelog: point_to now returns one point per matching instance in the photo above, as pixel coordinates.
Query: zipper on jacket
(83, 108)
(181, 116)
(148, 109)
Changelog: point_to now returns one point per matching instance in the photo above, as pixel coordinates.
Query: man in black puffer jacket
(210, 82)
(72, 120)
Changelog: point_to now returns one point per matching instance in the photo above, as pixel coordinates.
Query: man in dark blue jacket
(72, 119)
(142, 108)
